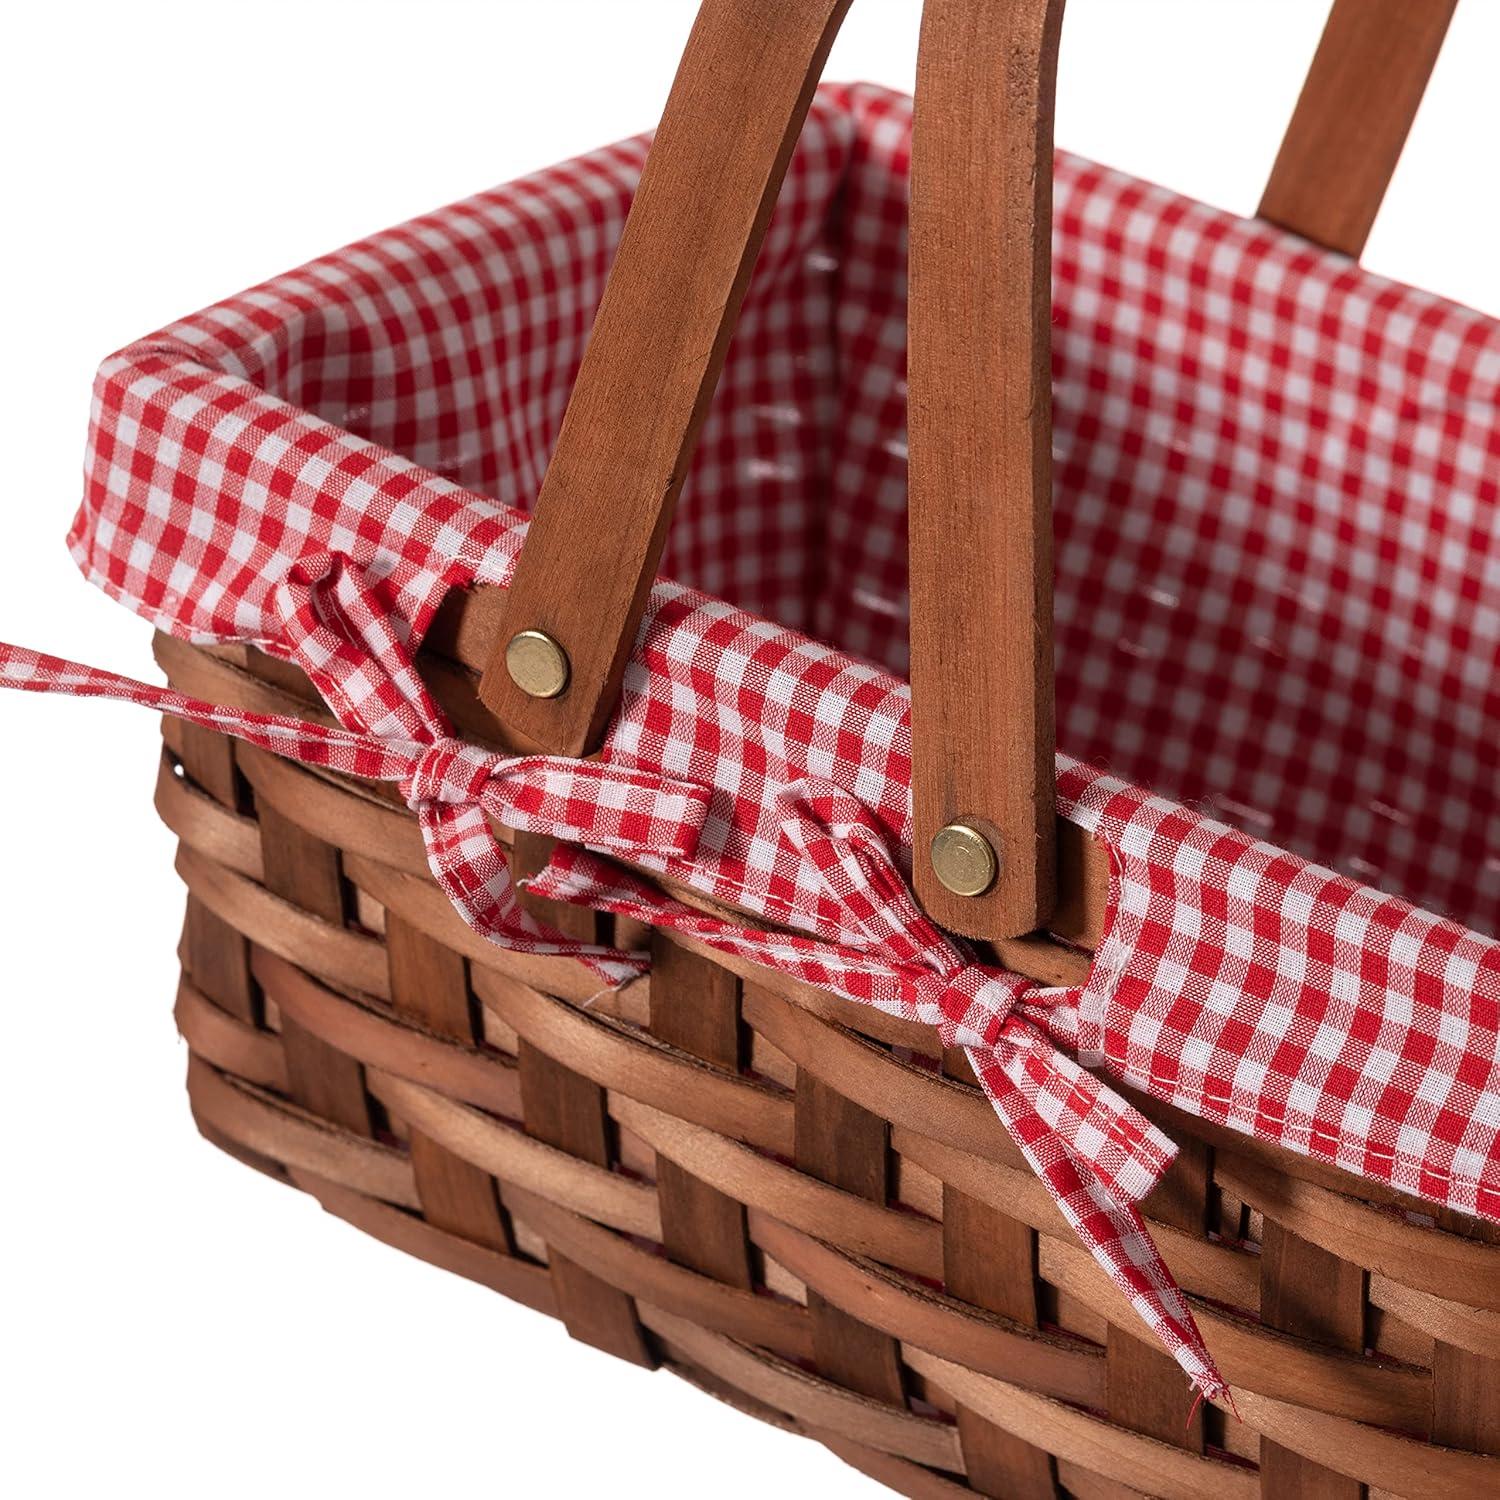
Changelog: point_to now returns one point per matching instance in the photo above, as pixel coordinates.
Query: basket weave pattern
(1274, 478)
(825, 1197)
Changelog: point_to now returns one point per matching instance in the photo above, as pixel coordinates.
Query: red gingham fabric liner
(1277, 572)
(450, 785)
(871, 942)
(1272, 996)
(1277, 477)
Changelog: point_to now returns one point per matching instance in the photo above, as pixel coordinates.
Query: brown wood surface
(430, 983)
(653, 358)
(566, 1110)
(695, 1006)
(1357, 106)
(980, 435)
(216, 957)
(209, 760)
(1306, 1290)
(844, 1145)
(1149, 1393)
(989, 1259)
(214, 954)
(1465, 1376)
(702, 1227)
(304, 870)
(1466, 1398)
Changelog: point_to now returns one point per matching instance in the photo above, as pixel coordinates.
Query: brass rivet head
(537, 664)
(963, 860)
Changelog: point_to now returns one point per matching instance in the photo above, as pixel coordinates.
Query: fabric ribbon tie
(445, 773)
(860, 932)
(870, 942)
(349, 644)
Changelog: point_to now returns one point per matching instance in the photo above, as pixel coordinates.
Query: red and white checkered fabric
(1270, 995)
(452, 786)
(1278, 482)
(870, 941)
(1096, 1154)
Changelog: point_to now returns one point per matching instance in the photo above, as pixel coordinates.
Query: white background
(176, 1324)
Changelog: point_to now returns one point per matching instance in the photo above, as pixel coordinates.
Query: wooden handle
(1361, 96)
(979, 387)
(705, 197)
(979, 434)
(658, 344)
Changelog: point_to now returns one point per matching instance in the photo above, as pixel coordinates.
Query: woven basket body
(598, 937)
(795, 1201)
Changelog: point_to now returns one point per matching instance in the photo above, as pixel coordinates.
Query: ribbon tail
(582, 878)
(1053, 1110)
(1095, 1154)
(473, 872)
(302, 740)
(604, 806)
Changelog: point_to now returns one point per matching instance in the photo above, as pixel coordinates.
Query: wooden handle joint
(979, 390)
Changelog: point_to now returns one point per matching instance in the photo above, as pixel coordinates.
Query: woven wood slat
(990, 1260)
(695, 1006)
(429, 983)
(213, 952)
(1019, 1356)
(849, 1245)
(843, 1145)
(303, 870)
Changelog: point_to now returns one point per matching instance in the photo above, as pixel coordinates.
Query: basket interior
(1278, 569)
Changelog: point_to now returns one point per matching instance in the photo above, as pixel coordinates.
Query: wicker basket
(800, 1203)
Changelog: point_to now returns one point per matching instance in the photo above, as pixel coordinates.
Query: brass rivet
(964, 860)
(537, 664)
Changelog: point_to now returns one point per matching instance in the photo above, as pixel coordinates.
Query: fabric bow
(354, 649)
(860, 932)
(393, 731)
(870, 942)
